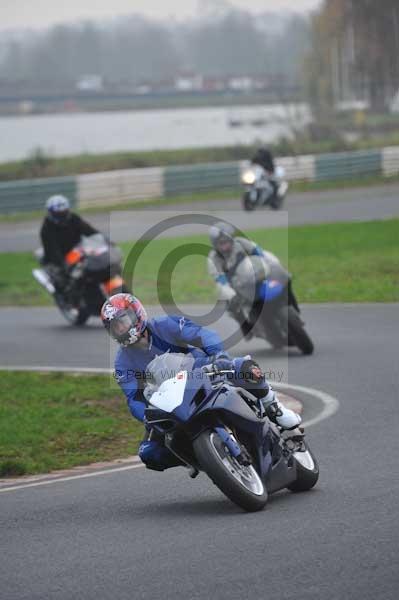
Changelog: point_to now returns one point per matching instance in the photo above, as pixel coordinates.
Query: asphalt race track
(364, 204)
(139, 534)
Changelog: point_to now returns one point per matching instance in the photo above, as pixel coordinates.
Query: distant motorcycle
(259, 189)
(211, 425)
(267, 301)
(92, 273)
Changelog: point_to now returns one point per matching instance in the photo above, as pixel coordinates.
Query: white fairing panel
(170, 394)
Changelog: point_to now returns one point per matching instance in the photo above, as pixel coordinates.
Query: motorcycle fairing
(199, 400)
(271, 289)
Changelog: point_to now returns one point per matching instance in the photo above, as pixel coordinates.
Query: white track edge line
(330, 403)
(330, 407)
(69, 478)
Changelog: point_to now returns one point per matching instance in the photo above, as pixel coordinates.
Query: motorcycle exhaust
(42, 277)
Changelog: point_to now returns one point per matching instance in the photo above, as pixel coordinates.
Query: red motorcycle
(93, 273)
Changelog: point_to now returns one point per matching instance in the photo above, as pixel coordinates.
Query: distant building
(143, 88)
(189, 83)
(243, 83)
(90, 83)
(214, 84)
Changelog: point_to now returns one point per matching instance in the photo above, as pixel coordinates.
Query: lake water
(69, 134)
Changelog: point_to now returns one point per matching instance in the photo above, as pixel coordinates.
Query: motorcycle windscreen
(95, 244)
(164, 367)
(250, 272)
(173, 385)
(102, 260)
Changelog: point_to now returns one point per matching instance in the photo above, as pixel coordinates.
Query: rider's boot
(246, 329)
(279, 414)
(255, 382)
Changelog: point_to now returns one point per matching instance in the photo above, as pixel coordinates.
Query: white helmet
(58, 208)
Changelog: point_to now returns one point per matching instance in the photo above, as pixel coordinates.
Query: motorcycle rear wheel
(277, 202)
(297, 331)
(242, 485)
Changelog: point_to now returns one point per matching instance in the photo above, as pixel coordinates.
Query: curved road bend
(139, 534)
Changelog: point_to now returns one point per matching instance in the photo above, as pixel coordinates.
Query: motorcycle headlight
(248, 177)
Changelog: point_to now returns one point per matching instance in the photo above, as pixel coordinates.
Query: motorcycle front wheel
(241, 484)
(247, 203)
(76, 316)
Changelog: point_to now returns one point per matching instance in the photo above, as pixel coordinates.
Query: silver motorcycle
(267, 303)
(263, 189)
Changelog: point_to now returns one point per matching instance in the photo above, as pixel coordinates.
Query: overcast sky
(39, 13)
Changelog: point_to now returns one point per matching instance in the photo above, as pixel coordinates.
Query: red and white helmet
(125, 318)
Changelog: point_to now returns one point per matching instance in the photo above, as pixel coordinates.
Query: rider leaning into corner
(227, 253)
(60, 232)
(142, 339)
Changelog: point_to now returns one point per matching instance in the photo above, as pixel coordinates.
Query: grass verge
(54, 421)
(339, 262)
(378, 132)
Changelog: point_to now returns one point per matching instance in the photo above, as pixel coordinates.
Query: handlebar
(211, 371)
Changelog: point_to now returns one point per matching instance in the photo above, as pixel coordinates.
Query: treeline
(355, 53)
(136, 49)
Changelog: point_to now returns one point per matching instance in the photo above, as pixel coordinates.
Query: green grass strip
(339, 262)
(55, 421)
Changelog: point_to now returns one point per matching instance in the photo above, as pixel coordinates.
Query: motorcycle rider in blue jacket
(142, 339)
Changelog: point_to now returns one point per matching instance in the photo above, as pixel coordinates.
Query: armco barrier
(31, 194)
(200, 178)
(299, 168)
(115, 187)
(344, 165)
(390, 161)
(118, 187)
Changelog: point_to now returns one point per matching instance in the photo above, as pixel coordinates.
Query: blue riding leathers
(168, 334)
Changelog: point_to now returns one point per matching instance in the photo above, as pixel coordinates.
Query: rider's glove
(222, 361)
(252, 371)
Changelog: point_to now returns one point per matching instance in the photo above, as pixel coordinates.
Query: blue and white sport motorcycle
(267, 302)
(211, 425)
